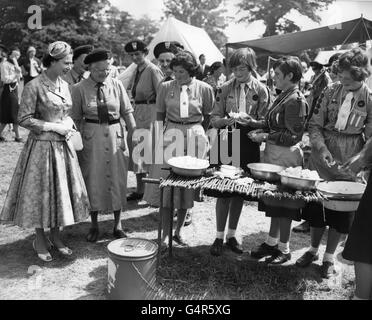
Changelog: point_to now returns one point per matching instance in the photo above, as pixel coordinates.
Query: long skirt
(182, 198)
(358, 246)
(104, 163)
(9, 104)
(47, 189)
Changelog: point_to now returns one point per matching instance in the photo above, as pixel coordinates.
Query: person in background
(31, 66)
(358, 247)
(213, 78)
(11, 74)
(164, 52)
(203, 69)
(244, 93)
(284, 126)
(144, 87)
(114, 72)
(47, 189)
(79, 69)
(3, 51)
(98, 104)
(341, 122)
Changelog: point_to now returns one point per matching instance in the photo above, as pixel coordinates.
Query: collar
(144, 65)
(94, 83)
(191, 83)
(249, 83)
(49, 83)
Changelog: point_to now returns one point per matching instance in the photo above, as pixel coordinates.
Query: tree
(274, 13)
(206, 14)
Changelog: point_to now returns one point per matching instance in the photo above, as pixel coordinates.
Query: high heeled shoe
(46, 257)
(66, 251)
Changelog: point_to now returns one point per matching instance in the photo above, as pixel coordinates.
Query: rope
(350, 33)
(141, 276)
(365, 27)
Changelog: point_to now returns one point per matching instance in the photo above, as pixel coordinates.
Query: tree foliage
(274, 13)
(206, 14)
(79, 22)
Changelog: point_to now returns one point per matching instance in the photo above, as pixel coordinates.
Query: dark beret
(98, 55)
(167, 46)
(136, 45)
(86, 49)
(316, 64)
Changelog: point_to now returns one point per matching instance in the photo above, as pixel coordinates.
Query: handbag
(76, 140)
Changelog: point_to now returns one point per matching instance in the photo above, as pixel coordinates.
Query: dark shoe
(18, 139)
(2, 139)
(93, 235)
(134, 196)
(234, 245)
(178, 239)
(188, 219)
(303, 227)
(278, 258)
(216, 248)
(263, 250)
(306, 259)
(327, 269)
(119, 234)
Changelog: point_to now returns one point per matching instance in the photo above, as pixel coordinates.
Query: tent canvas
(357, 30)
(195, 40)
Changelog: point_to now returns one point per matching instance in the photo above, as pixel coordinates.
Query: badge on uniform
(361, 104)
(218, 99)
(255, 97)
(134, 45)
(316, 111)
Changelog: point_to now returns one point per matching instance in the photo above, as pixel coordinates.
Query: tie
(344, 112)
(135, 83)
(242, 102)
(184, 102)
(103, 115)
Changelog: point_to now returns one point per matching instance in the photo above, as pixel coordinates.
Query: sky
(339, 11)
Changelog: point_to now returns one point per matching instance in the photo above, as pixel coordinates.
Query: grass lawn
(191, 274)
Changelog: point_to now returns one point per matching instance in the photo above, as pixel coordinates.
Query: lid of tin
(132, 247)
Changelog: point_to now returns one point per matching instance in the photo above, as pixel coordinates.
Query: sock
(313, 250)
(283, 247)
(271, 241)
(230, 233)
(220, 235)
(328, 257)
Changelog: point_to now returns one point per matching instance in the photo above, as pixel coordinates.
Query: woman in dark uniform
(358, 246)
(243, 93)
(285, 126)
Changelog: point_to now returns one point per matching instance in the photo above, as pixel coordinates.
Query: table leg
(170, 236)
(160, 217)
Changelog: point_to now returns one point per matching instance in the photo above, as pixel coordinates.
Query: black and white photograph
(186, 155)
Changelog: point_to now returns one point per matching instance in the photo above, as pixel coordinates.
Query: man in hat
(79, 70)
(164, 52)
(143, 88)
(31, 66)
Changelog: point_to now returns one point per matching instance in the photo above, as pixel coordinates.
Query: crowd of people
(73, 94)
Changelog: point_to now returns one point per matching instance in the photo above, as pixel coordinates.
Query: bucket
(131, 269)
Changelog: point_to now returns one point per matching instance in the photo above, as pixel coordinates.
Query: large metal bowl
(265, 171)
(342, 190)
(298, 183)
(188, 172)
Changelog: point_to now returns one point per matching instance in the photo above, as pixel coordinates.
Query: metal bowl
(335, 190)
(298, 183)
(265, 171)
(188, 172)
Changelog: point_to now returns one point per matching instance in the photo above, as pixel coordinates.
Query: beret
(167, 46)
(135, 45)
(86, 49)
(98, 55)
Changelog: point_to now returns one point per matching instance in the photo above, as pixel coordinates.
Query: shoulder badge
(361, 104)
(255, 97)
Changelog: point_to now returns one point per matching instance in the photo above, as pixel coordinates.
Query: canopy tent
(194, 39)
(357, 30)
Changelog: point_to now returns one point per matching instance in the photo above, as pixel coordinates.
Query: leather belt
(97, 121)
(145, 102)
(184, 122)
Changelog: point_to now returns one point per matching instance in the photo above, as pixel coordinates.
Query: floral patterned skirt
(47, 189)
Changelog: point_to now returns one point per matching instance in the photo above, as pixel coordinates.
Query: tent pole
(226, 62)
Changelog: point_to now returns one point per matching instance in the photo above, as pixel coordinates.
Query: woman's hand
(245, 120)
(327, 157)
(68, 122)
(258, 135)
(63, 129)
(226, 122)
